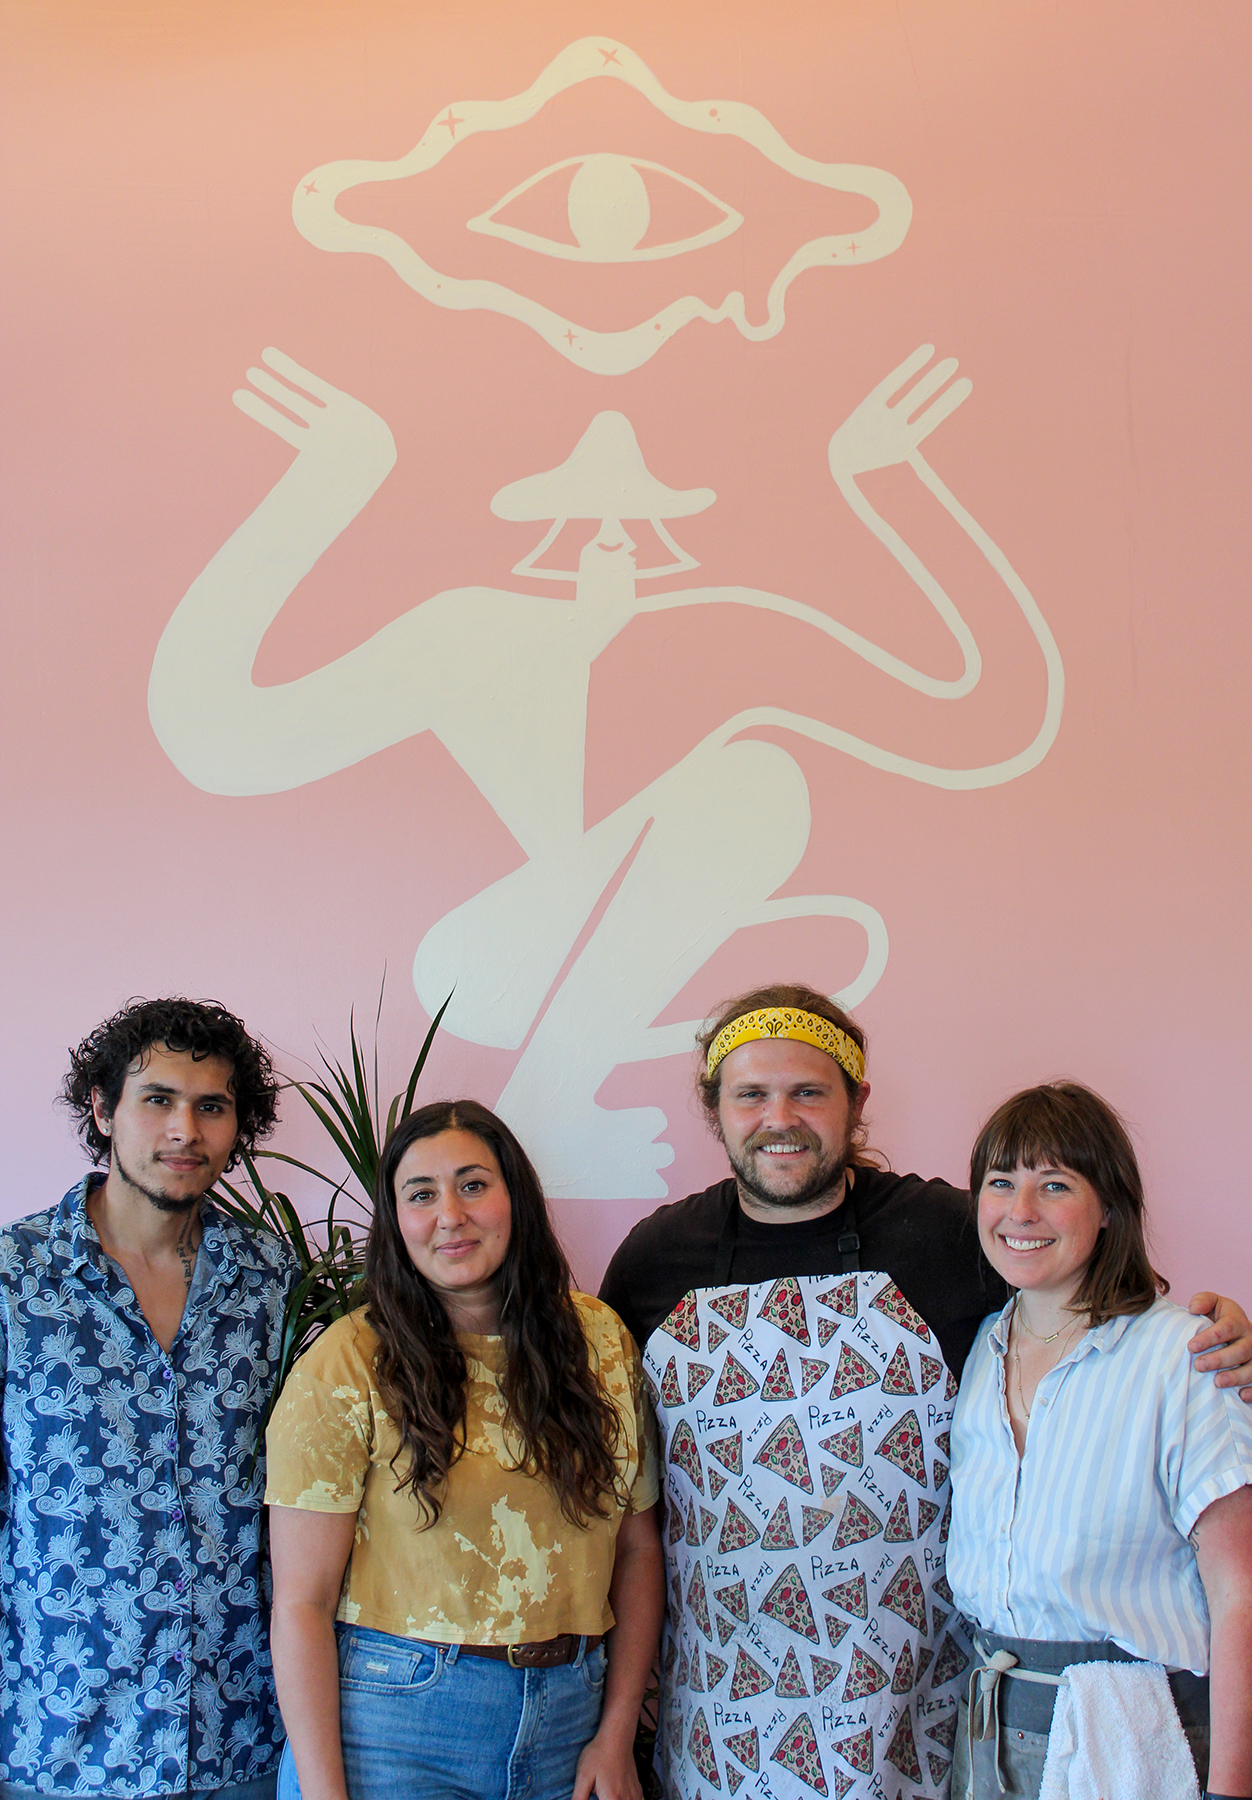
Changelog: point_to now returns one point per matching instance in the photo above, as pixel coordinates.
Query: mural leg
(499, 953)
(729, 824)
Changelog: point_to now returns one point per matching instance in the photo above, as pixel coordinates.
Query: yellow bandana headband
(789, 1022)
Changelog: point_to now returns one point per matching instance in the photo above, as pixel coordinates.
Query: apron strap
(983, 1701)
(847, 1244)
(726, 1244)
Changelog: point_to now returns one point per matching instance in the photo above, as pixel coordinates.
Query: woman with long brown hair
(462, 1492)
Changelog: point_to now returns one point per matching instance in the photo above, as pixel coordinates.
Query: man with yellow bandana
(804, 1325)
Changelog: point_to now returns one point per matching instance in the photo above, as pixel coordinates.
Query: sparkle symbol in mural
(608, 209)
(535, 961)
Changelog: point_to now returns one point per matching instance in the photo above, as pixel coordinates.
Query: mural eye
(609, 208)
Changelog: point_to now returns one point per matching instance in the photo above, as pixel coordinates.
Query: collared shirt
(1085, 1539)
(134, 1638)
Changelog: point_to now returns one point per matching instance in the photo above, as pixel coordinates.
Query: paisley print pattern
(818, 1554)
(134, 1648)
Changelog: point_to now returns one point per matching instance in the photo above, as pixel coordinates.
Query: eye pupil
(608, 205)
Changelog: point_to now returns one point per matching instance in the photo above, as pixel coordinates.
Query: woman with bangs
(1101, 1506)
(462, 1485)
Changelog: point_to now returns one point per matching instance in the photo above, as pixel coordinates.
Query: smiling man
(140, 1328)
(804, 1325)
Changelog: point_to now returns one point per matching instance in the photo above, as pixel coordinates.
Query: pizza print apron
(810, 1645)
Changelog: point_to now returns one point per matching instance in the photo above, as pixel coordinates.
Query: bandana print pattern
(843, 1656)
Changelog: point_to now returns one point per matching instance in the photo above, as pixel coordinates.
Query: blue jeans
(420, 1723)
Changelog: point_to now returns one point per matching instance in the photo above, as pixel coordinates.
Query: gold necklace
(1017, 1356)
(1052, 1337)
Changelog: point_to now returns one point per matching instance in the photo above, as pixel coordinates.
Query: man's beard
(827, 1173)
(166, 1203)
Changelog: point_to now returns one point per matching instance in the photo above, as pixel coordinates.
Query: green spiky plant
(331, 1254)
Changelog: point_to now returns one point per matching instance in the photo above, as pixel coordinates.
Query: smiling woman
(454, 1213)
(1101, 1511)
(462, 1487)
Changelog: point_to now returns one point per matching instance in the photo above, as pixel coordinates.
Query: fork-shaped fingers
(893, 419)
(327, 421)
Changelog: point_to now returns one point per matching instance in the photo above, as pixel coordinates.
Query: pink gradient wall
(1078, 178)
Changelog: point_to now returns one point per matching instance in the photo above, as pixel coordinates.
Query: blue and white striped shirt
(1086, 1538)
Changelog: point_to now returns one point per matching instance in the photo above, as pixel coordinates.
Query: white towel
(1116, 1736)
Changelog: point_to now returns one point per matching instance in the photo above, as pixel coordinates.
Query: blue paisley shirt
(134, 1632)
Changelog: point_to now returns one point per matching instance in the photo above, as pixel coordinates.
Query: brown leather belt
(550, 1654)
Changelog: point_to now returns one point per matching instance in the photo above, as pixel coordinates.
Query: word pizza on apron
(810, 1646)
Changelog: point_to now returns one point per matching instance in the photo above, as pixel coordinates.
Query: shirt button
(179, 1585)
(167, 1374)
(177, 1515)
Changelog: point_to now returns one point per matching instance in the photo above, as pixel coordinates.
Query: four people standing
(462, 1480)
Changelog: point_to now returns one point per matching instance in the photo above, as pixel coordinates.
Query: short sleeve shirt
(1086, 1538)
(134, 1625)
(502, 1564)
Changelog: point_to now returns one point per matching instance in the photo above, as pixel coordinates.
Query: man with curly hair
(140, 1329)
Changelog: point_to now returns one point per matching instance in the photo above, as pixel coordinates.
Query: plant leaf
(424, 1052)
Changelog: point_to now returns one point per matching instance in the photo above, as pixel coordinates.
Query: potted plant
(331, 1253)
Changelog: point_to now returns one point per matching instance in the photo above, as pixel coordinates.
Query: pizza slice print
(904, 1596)
(731, 1307)
(902, 1750)
(746, 1746)
(784, 1307)
(777, 1384)
(788, 1602)
(903, 1445)
(891, 1302)
(797, 1750)
(852, 1373)
(735, 1383)
(684, 1323)
(784, 1455)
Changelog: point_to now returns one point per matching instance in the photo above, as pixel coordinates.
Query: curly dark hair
(553, 1398)
(804, 999)
(202, 1027)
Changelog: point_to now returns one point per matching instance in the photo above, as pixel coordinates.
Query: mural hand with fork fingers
(663, 853)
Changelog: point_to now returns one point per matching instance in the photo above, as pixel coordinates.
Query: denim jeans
(420, 1723)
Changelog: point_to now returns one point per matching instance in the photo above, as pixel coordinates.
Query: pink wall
(1078, 184)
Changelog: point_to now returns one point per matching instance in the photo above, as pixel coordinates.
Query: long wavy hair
(554, 1402)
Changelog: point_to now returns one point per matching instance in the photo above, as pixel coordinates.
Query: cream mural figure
(501, 677)
(608, 209)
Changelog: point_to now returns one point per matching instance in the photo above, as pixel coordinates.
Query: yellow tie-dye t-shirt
(502, 1565)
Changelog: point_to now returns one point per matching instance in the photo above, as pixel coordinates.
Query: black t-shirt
(920, 1233)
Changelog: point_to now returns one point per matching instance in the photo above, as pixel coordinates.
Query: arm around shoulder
(1225, 1346)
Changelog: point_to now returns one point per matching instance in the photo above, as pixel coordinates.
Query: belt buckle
(513, 1663)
